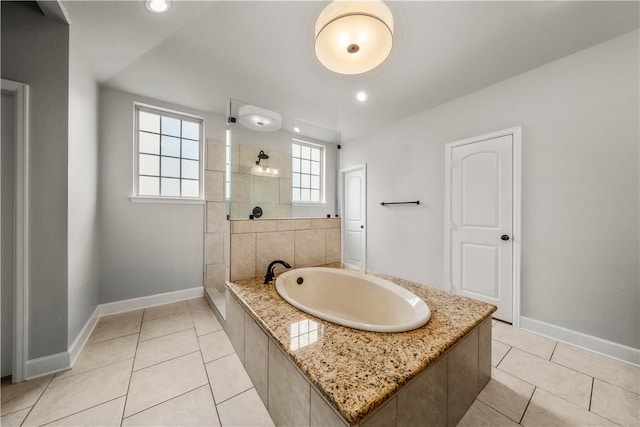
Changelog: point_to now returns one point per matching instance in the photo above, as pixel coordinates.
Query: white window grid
(307, 175)
(169, 149)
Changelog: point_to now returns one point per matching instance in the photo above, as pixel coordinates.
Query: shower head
(261, 156)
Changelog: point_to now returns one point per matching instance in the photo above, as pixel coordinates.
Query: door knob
(362, 226)
(505, 237)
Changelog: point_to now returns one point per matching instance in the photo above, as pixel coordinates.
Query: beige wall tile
(281, 161)
(508, 394)
(248, 157)
(285, 191)
(545, 409)
(325, 223)
(294, 224)
(256, 357)
(252, 226)
(241, 210)
(333, 245)
(425, 398)
(241, 188)
(289, 392)
(310, 248)
(243, 256)
(216, 217)
(484, 353)
(234, 326)
(216, 276)
(383, 417)
(322, 414)
(563, 382)
(214, 186)
(216, 155)
(266, 189)
(462, 371)
(615, 403)
(272, 246)
(277, 211)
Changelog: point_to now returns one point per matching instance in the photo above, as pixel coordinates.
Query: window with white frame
(307, 172)
(168, 154)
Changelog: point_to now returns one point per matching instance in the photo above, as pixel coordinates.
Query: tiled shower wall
(302, 242)
(216, 237)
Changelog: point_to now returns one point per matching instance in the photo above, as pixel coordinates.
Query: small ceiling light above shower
(353, 37)
(362, 96)
(157, 6)
(257, 118)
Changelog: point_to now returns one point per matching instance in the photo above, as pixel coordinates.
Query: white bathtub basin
(353, 299)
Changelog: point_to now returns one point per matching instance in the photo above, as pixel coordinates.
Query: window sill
(167, 200)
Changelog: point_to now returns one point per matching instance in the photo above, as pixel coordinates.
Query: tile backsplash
(302, 242)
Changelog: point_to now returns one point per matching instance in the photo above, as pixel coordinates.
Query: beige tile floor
(174, 365)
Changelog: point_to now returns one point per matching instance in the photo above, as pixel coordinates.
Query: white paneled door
(481, 222)
(354, 217)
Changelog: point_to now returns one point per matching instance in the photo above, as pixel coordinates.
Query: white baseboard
(47, 365)
(62, 361)
(149, 301)
(608, 348)
(78, 344)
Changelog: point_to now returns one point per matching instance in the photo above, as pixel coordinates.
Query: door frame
(20, 93)
(516, 133)
(341, 191)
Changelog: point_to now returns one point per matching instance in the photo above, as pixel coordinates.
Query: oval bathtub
(353, 299)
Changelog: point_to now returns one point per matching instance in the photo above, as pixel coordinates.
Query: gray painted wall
(83, 249)
(7, 231)
(35, 51)
(145, 249)
(580, 199)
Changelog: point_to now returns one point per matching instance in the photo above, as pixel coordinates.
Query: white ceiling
(200, 54)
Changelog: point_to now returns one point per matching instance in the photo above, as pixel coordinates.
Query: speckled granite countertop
(357, 370)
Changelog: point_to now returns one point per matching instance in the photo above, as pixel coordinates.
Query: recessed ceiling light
(362, 96)
(296, 129)
(157, 6)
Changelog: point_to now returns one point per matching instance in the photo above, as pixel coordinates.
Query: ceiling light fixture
(353, 37)
(257, 118)
(362, 96)
(157, 6)
(296, 129)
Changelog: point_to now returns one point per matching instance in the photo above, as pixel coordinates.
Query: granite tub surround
(302, 242)
(363, 377)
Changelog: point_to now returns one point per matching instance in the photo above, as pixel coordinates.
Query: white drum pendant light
(353, 37)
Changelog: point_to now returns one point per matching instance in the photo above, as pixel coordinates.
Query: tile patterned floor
(174, 365)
